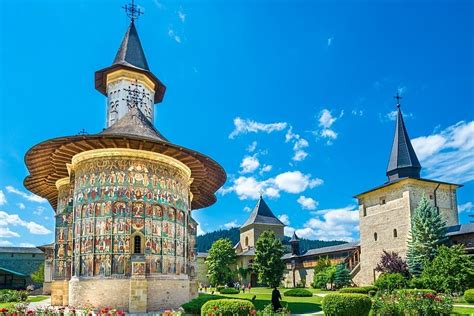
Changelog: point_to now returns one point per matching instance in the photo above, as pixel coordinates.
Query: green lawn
(297, 305)
(463, 310)
(37, 298)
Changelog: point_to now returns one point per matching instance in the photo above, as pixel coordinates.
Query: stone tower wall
(252, 232)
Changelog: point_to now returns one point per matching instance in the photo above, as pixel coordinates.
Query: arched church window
(395, 233)
(137, 244)
(375, 236)
(246, 240)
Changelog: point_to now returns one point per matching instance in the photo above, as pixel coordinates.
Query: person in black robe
(276, 297)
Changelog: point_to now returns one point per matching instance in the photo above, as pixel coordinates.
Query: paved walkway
(42, 304)
(464, 305)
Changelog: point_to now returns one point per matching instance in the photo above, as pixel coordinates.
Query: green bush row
(7, 296)
(469, 296)
(360, 290)
(229, 290)
(346, 304)
(298, 293)
(194, 306)
(228, 307)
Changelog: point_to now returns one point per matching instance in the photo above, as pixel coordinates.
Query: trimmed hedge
(391, 281)
(194, 305)
(227, 307)
(229, 290)
(360, 290)
(415, 291)
(350, 304)
(7, 296)
(469, 296)
(298, 293)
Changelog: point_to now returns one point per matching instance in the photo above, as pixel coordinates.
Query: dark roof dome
(262, 214)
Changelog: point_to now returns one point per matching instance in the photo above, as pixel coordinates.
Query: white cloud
(15, 220)
(26, 244)
(158, 4)
(332, 224)
(265, 168)
(249, 164)
(248, 126)
(307, 203)
(5, 243)
(182, 15)
(325, 122)
(288, 231)
(247, 209)
(251, 148)
(21, 206)
(173, 35)
(448, 155)
(330, 41)
(356, 112)
(290, 182)
(3, 198)
(200, 231)
(466, 207)
(326, 119)
(5, 232)
(29, 196)
(39, 210)
(231, 224)
(392, 116)
(284, 219)
(298, 145)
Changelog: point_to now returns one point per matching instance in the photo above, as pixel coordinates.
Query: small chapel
(123, 198)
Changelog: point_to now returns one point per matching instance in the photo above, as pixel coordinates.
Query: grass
(297, 305)
(463, 310)
(37, 298)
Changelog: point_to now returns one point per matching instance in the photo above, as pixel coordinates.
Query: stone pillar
(138, 297)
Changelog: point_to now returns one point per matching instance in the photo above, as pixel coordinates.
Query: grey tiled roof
(403, 161)
(325, 250)
(248, 252)
(131, 52)
(202, 254)
(262, 214)
(134, 123)
(460, 229)
(20, 250)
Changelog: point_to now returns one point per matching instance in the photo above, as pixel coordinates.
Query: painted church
(123, 198)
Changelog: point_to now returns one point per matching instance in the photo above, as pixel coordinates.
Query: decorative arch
(137, 241)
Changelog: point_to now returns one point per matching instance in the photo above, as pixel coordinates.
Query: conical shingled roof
(403, 161)
(262, 214)
(294, 238)
(134, 123)
(131, 52)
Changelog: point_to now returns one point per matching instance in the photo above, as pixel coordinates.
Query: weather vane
(398, 97)
(135, 96)
(132, 10)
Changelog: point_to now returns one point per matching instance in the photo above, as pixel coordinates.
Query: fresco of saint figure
(138, 223)
(138, 209)
(119, 264)
(156, 228)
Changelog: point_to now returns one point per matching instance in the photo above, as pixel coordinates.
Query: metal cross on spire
(135, 96)
(398, 97)
(132, 10)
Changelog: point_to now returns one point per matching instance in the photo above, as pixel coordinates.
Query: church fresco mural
(114, 199)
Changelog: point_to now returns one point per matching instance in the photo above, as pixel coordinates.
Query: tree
(324, 277)
(221, 258)
(38, 275)
(391, 262)
(242, 273)
(342, 276)
(267, 263)
(322, 264)
(428, 231)
(451, 271)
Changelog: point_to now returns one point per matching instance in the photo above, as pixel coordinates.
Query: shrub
(346, 304)
(194, 306)
(360, 290)
(415, 291)
(228, 307)
(298, 292)
(402, 303)
(7, 296)
(323, 278)
(229, 290)
(391, 281)
(342, 276)
(469, 296)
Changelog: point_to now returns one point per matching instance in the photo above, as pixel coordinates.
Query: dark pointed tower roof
(294, 238)
(131, 56)
(403, 161)
(131, 52)
(262, 214)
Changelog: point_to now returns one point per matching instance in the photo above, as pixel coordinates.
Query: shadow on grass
(294, 307)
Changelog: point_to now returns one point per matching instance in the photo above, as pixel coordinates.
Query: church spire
(131, 52)
(403, 161)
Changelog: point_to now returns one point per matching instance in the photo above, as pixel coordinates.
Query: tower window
(382, 200)
(431, 196)
(364, 211)
(137, 244)
(375, 236)
(395, 233)
(246, 240)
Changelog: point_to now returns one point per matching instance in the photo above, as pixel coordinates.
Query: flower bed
(228, 307)
(412, 303)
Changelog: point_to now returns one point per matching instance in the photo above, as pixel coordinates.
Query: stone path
(45, 303)
(464, 305)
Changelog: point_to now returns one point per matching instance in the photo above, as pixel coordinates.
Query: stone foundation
(135, 295)
(59, 293)
(46, 288)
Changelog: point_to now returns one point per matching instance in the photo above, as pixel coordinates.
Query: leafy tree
(267, 263)
(391, 281)
(242, 273)
(452, 270)
(38, 275)
(324, 277)
(391, 262)
(221, 257)
(342, 276)
(322, 264)
(428, 231)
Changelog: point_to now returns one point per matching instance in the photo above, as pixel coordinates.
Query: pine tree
(342, 276)
(267, 262)
(428, 231)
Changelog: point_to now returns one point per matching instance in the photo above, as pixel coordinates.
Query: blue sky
(291, 97)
